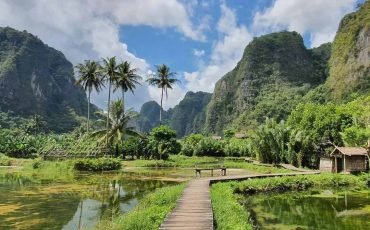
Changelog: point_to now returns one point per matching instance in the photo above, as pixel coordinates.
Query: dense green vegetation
(101, 164)
(310, 127)
(229, 212)
(149, 213)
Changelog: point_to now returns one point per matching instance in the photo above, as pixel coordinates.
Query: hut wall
(326, 164)
(355, 163)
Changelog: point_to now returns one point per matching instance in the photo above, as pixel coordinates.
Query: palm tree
(117, 124)
(89, 78)
(110, 71)
(163, 78)
(127, 80)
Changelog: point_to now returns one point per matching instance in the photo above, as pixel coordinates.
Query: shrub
(237, 148)
(132, 147)
(16, 143)
(162, 142)
(210, 147)
(189, 143)
(100, 164)
(5, 161)
(36, 164)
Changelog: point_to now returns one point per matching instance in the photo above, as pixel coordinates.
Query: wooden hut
(216, 137)
(345, 159)
(241, 135)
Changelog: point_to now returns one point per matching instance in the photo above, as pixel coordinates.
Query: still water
(325, 209)
(80, 203)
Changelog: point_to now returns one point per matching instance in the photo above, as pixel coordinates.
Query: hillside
(350, 60)
(189, 115)
(37, 79)
(275, 72)
(186, 117)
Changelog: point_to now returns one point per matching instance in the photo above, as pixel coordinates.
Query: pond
(323, 209)
(80, 203)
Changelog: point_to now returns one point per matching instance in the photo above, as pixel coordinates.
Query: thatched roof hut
(345, 159)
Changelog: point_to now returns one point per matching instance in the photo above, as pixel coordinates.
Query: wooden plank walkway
(293, 168)
(193, 210)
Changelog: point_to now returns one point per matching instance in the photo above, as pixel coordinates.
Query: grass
(149, 213)
(8, 161)
(255, 168)
(230, 214)
(173, 161)
(181, 161)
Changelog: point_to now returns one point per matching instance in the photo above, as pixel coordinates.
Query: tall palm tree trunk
(88, 112)
(160, 111)
(123, 112)
(110, 86)
(123, 101)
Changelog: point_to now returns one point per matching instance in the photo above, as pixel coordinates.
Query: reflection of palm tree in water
(120, 192)
(79, 220)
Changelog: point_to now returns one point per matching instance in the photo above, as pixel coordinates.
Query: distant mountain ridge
(37, 79)
(187, 117)
(275, 72)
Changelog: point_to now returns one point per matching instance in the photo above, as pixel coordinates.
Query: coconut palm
(164, 79)
(110, 72)
(127, 80)
(118, 121)
(89, 78)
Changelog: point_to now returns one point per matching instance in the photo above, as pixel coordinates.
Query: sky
(199, 40)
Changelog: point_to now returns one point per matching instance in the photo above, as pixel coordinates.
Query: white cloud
(89, 29)
(318, 18)
(158, 13)
(225, 54)
(198, 53)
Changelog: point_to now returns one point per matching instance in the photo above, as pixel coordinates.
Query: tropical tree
(110, 72)
(89, 78)
(127, 80)
(35, 125)
(117, 128)
(163, 79)
(162, 142)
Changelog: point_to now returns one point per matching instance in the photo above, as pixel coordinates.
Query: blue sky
(173, 48)
(200, 40)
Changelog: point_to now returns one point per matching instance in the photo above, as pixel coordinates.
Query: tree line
(94, 75)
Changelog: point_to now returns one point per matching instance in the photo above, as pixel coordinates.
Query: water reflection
(26, 203)
(314, 210)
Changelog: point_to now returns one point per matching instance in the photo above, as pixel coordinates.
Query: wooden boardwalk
(194, 208)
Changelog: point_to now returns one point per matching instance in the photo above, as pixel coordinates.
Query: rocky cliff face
(276, 70)
(148, 117)
(37, 79)
(350, 60)
(187, 117)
